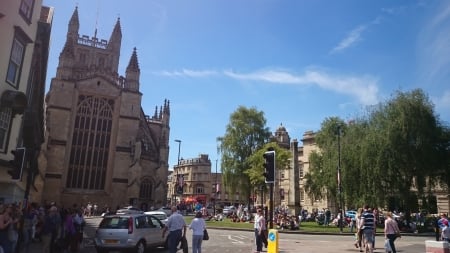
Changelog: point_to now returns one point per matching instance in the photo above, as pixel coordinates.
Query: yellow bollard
(272, 239)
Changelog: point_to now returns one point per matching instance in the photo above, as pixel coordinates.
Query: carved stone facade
(101, 146)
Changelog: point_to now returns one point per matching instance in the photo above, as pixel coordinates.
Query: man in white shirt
(260, 226)
(177, 229)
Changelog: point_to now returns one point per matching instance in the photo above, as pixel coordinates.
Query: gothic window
(83, 57)
(90, 143)
(101, 62)
(5, 121)
(300, 170)
(145, 191)
(26, 10)
(302, 196)
(15, 62)
(199, 189)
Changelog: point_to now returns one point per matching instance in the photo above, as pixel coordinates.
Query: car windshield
(114, 222)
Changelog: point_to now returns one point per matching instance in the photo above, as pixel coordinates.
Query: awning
(15, 100)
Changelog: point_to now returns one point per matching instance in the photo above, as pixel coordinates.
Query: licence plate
(110, 241)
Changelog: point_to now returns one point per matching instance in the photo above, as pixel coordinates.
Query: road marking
(235, 239)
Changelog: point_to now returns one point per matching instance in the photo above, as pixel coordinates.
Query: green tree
(391, 157)
(321, 181)
(245, 134)
(256, 161)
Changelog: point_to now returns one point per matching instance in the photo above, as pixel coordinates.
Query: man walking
(368, 226)
(177, 229)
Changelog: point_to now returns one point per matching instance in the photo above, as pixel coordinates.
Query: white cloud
(364, 88)
(187, 73)
(433, 48)
(352, 38)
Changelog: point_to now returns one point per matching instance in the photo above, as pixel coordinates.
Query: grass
(305, 226)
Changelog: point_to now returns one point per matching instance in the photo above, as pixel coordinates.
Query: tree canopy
(389, 157)
(245, 133)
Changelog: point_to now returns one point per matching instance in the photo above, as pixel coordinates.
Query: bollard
(272, 239)
(436, 247)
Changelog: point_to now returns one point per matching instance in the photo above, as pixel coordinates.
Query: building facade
(25, 27)
(100, 145)
(289, 188)
(191, 180)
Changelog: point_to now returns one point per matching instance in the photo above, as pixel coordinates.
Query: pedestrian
(391, 231)
(30, 218)
(50, 227)
(445, 231)
(259, 227)
(327, 217)
(177, 229)
(198, 226)
(359, 230)
(5, 222)
(441, 221)
(13, 229)
(368, 226)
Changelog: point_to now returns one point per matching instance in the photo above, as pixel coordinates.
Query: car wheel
(140, 247)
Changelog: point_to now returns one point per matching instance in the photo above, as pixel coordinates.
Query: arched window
(145, 192)
(90, 143)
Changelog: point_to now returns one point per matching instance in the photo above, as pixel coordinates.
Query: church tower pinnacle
(114, 44)
(133, 73)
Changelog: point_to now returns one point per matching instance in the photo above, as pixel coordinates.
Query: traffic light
(269, 166)
(17, 164)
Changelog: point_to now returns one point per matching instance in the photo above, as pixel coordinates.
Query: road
(233, 241)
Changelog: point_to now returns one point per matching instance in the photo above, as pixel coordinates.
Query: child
(445, 234)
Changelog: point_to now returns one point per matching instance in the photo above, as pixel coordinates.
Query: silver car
(162, 216)
(125, 232)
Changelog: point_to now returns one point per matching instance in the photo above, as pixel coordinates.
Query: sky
(298, 61)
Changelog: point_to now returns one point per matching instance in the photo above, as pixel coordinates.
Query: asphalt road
(233, 241)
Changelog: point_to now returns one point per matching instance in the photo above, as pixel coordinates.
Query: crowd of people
(57, 229)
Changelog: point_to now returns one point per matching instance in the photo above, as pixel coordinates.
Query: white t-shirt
(197, 226)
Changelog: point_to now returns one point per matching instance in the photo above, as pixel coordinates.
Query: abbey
(100, 145)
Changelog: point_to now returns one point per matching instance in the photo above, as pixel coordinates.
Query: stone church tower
(101, 147)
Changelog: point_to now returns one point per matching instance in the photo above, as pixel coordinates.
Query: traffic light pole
(269, 174)
(271, 205)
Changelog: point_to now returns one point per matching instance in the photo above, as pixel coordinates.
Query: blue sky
(297, 61)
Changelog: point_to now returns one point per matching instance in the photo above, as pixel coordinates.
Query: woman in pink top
(391, 230)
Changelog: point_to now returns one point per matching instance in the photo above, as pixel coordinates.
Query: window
(26, 10)
(145, 191)
(300, 170)
(15, 62)
(90, 143)
(199, 189)
(5, 121)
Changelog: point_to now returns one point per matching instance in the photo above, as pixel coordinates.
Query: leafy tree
(245, 134)
(255, 172)
(392, 156)
(321, 181)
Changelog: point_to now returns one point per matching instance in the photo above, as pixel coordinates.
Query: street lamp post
(178, 164)
(341, 208)
(215, 194)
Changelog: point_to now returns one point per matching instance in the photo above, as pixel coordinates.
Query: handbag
(205, 235)
(387, 245)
